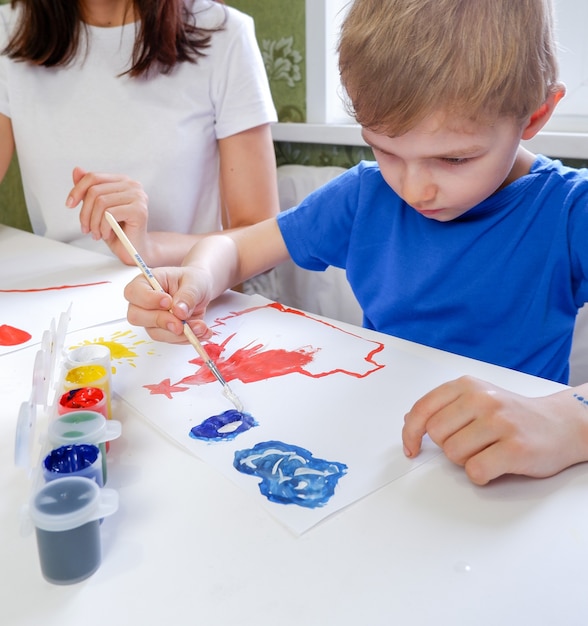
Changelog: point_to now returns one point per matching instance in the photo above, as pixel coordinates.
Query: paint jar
(90, 366)
(80, 459)
(78, 427)
(83, 399)
(66, 513)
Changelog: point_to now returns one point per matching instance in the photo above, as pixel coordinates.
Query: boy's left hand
(491, 431)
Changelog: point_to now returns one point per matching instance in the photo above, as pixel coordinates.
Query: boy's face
(445, 166)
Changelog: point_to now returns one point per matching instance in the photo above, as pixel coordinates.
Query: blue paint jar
(66, 514)
(74, 460)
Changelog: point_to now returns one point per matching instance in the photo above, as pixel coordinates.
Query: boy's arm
(491, 431)
(216, 263)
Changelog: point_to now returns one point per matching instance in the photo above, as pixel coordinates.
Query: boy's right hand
(162, 314)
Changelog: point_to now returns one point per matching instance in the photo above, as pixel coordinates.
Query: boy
(458, 237)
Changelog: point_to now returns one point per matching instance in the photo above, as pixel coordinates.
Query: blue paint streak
(290, 474)
(210, 429)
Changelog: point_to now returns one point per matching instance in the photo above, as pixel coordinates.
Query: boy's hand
(162, 314)
(491, 431)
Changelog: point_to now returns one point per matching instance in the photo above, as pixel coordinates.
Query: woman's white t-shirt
(160, 131)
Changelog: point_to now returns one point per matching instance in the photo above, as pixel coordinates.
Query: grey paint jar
(66, 513)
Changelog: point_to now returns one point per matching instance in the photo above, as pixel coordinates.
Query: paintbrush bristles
(232, 397)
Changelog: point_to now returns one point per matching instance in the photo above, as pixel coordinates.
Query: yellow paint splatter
(119, 345)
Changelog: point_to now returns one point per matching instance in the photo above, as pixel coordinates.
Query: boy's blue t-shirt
(502, 283)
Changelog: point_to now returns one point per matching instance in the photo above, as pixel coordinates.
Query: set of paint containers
(71, 501)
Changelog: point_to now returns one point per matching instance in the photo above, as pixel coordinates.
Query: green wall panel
(13, 210)
(281, 34)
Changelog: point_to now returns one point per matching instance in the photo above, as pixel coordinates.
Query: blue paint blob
(290, 474)
(70, 459)
(74, 460)
(223, 427)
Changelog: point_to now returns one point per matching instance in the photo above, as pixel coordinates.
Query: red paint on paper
(164, 388)
(11, 336)
(254, 363)
(56, 288)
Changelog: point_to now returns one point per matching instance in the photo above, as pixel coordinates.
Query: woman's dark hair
(48, 33)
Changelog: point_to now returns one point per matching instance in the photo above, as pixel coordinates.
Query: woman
(169, 94)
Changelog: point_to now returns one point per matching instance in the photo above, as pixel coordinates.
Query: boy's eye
(455, 160)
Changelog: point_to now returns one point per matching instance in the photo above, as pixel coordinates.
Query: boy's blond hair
(401, 60)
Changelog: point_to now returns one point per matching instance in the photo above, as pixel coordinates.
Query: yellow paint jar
(90, 366)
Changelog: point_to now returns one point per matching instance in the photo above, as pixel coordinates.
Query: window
(572, 112)
(565, 135)
(323, 88)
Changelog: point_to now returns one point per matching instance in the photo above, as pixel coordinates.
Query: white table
(429, 548)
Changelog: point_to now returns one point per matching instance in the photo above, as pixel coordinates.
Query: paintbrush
(190, 336)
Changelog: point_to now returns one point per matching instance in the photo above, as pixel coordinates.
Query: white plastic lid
(83, 426)
(44, 374)
(71, 502)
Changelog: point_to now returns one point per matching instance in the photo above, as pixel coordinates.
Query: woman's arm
(248, 194)
(249, 188)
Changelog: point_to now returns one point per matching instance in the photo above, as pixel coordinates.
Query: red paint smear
(10, 336)
(252, 364)
(164, 388)
(56, 288)
(215, 351)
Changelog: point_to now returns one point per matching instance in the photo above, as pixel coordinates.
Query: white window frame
(566, 134)
(323, 87)
(571, 114)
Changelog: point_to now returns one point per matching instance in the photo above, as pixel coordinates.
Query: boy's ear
(541, 116)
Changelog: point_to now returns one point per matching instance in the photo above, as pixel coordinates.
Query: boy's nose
(418, 189)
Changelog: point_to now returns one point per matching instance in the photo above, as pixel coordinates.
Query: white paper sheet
(37, 287)
(337, 406)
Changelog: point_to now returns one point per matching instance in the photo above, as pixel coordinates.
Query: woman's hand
(121, 196)
(491, 431)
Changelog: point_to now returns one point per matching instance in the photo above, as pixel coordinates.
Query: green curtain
(13, 210)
